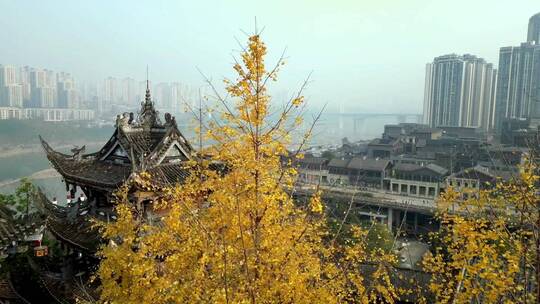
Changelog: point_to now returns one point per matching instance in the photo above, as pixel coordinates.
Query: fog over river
(330, 129)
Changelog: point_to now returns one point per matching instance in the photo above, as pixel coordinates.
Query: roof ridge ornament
(147, 98)
(148, 116)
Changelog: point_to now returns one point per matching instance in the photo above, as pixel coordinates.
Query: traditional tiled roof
(75, 230)
(313, 160)
(6, 290)
(438, 169)
(169, 174)
(405, 167)
(368, 164)
(79, 233)
(88, 170)
(338, 163)
(141, 141)
(143, 144)
(477, 172)
(383, 142)
(13, 230)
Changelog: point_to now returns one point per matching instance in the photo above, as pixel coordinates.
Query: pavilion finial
(147, 99)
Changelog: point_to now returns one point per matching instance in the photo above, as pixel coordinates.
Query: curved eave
(50, 151)
(56, 158)
(53, 227)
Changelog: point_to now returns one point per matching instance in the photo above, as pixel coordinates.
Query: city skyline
(30, 87)
(460, 91)
(466, 91)
(350, 47)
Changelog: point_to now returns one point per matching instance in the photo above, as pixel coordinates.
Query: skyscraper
(163, 95)
(459, 91)
(8, 75)
(24, 80)
(518, 85)
(43, 88)
(534, 29)
(11, 94)
(68, 96)
(109, 93)
(128, 91)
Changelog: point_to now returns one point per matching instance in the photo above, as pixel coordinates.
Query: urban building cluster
(406, 169)
(115, 95)
(34, 93)
(467, 91)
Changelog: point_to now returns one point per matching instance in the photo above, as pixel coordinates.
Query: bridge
(360, 119)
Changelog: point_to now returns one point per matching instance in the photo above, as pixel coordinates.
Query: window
(395, 188)
(403, 188)
(412, 189)
(422, 190)
(431, 191)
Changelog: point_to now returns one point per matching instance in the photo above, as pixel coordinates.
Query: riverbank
(8, 151)
(43, 174)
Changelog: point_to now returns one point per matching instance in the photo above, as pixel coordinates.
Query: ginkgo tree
(235, 234)
(487, 248)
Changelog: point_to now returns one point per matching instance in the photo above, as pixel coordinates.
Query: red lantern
(41, 251)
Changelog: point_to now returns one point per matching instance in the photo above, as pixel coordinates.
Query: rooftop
(368, 164)
(141, 143)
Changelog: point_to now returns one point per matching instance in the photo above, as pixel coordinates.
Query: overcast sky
(368, 55)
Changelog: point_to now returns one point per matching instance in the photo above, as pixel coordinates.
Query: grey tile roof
(313, 160)
(368, 164)
(438, 169)
(338, 163)
(415, 167)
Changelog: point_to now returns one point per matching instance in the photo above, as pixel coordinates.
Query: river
(330, 130)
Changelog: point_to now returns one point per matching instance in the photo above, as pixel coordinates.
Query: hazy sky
(368, 55)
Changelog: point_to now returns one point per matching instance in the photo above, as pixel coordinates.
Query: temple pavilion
(140, 143)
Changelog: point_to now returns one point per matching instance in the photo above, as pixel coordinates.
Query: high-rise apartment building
(11, 96)
(534, 29)
(8, 75)
(43, 88)
(10, 89)
(177, 102)
(162, 95)
(110, 90)
(24, 80)
(128, 92)
(518, 85)
(68, 95)
(459, 91)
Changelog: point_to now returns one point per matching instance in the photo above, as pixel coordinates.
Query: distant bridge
(371, 115)
(359, 119)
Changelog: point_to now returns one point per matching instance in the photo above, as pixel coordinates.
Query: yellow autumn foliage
(237, 236)
(486, 250)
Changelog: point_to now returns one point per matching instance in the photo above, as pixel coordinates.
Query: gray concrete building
(459, 91)
(518, 84)
(11, 94)
(534, 29)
